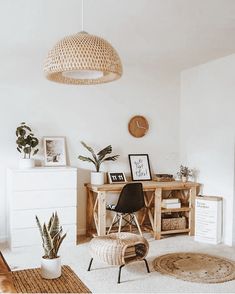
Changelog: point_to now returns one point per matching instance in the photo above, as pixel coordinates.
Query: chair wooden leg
(120, 224)
(114, 218)
(137, 224)
(130, 225)
(89, 268)
(119, 273)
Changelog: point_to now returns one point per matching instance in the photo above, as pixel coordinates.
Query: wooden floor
(83, 239)
(3, 265)
(6, 285)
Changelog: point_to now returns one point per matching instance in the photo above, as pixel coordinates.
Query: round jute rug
(196, 267)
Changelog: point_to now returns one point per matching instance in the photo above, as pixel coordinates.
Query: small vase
(184, 179)
(25, 163)
(97, 178)
(51, 268)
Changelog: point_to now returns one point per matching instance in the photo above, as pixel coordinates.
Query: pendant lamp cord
(82, 15)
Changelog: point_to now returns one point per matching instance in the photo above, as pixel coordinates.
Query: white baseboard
(81, 232)
(3, 239)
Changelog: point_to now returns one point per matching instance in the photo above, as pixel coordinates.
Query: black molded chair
(131, 199)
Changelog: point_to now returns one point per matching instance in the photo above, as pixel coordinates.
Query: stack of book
(171, 203)
(136, 251)
(130, 252)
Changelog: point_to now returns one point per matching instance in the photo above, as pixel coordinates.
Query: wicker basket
(174, 223)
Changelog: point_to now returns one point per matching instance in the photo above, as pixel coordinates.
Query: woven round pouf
(119, 249)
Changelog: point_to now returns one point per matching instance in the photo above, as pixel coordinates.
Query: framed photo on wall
(140, 168)
(54, 151)
(116, 178)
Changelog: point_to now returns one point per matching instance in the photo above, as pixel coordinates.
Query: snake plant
(100, 157)
(52, 237)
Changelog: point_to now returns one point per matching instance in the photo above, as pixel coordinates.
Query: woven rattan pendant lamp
(83, 59)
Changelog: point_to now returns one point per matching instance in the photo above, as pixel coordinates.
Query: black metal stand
(120, 268)
(89, 267)
(147, 266)
(119, 273)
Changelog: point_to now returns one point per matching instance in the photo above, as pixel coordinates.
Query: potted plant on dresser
(97, 177)
(52, 238)
(184, 173)
(26, 144)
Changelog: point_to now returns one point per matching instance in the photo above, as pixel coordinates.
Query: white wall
(207, 124)
(98, 115)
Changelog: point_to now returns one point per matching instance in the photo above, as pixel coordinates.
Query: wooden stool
(119, 249)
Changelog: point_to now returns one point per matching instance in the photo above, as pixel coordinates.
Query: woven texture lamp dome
(83, 59)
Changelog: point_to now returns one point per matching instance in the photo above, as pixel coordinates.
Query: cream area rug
(30, 281)
(134, 278)
(196, 267)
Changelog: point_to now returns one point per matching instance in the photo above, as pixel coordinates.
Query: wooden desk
(96, 205)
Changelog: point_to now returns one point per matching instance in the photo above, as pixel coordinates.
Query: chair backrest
(131, 198)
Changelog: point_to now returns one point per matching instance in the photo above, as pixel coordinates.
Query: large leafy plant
(52, 236)
(100, 157)
(26, 142)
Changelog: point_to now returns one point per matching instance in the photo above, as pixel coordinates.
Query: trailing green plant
(100, 157)
(51, 235)
(185, 171)
(26, 141)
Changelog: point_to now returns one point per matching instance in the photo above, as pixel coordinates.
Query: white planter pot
(26, 163)
(51, 268)
(97, 178)
(184, 179)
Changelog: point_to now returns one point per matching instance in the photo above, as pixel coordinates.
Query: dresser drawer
(41, 191)
(46, 180)
(43, 199)
(26, 218)
(31, 237)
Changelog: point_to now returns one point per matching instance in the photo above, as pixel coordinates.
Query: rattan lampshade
(83, 59)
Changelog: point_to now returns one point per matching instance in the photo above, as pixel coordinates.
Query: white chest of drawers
(208, 219)
(41, 191)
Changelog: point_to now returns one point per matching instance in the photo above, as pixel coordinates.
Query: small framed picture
(54, 151)
(140, 168)
(116, 178)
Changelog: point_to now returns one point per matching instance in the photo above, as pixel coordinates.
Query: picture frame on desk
(116, 177)
(140, 167)
(54, 151)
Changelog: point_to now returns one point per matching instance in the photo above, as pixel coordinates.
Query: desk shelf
(175, 231)
(182, 209)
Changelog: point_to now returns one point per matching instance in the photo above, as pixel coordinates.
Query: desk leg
(192, 197)
(101, 213)
(89, 212)
(157, 214)
(147, 210)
